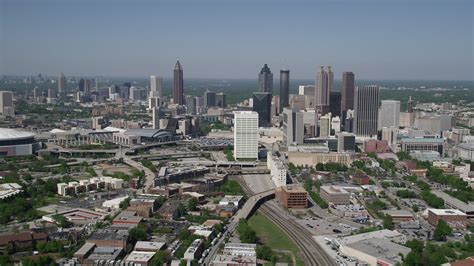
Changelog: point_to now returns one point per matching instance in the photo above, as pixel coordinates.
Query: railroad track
(312, 253)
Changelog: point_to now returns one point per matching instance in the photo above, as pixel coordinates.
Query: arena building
(17, 143)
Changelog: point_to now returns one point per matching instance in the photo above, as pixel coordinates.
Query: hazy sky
(232, 39)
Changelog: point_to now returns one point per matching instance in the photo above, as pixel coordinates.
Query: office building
(345, 142)
(306, 159)
(466, 151)
(153, 102)
(324, 85)
(221, 100)
(422, 144)
(87, 88)
(292, 197)
(265, 80)
(453, 203)
(389, 134)
(275, 109)
(178, 84)
(335, 195)
(156, 86)
(410, 105)
(306, 90)
(6, 103)
(335, 125)
(209, 98)
(325, 126)
(366, 110)
(245, 135)
(454, 218)
(335, 103)
(293, 126)
(156, 117)
(347, 93)
(190, 104)
(435, 123)
(349, 121)
(62, 85)
(284, 88)
(389, 114)
(199, 104)
(262, 102)
(36, 94)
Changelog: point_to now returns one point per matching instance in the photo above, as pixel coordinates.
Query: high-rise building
(198, 104)
(324, 85)
(366, 106)
(349, 121)
(262, 103)
(178, 84)
(156, 116)
(306, 90)
(87, 88)
(293, 126)
(265, 79)
(347, 93)
(81, 84)
(284, 88)
(245, 135)
(190, 105)
(275, 109)
(335, 103)
(156, 86)
(52, 94)
(410, 105)
(221, 100)
(6, 103)
(35, 94)
(153, 102)
(389, 114)
(61, 85)
(325, 126)
(345, 142)
(209, 98)
(336, 124)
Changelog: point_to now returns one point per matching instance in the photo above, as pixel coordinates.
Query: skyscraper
(35, 94)
(178, 85)
(61, 85)
(262, 103)
(81, 85)
(284, 88)
(293, 126)
(221, 100)
(347, 92)
(366, 106)
(324, 85)
(156, 87)
(190, 105)
(325, 126)
(6, 103)
(209, 98)
(389, 114)
(335, 103)
(245, 135)
(265, 79)
(87, 88)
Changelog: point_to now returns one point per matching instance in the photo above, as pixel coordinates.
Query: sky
(384, 39)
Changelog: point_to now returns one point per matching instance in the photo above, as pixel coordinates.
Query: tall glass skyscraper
(265, 79)
(284, 89)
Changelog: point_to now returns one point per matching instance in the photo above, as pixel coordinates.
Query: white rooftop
(149, 245)
(8, 133)
(140, 256)
(446, 212)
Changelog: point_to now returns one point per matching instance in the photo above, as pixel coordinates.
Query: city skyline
(62, 43)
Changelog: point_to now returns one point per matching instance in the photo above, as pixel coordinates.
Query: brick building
(292, 197)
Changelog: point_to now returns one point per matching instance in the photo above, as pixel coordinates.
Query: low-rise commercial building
(312, 159)
(376, 251)
(454, 218)
(453, 203)
(142, 258)
(335, 195)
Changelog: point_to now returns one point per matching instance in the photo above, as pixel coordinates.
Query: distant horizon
(378, 40)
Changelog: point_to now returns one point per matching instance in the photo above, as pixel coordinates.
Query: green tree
(138, 234)
(388, 222)
(161, 257)
(192, 204)
(264, 252)
(442, 231)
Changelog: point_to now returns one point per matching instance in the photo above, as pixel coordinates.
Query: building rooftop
(140, 256)
(446, 212)
(381, 248)
(334, 189)
(8, 134)
(398, 213)
(149, 245)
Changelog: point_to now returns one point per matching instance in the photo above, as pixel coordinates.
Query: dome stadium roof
(8, 133)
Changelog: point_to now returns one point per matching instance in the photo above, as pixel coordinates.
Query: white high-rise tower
(245, 135)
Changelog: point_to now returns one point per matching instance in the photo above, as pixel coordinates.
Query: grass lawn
(270, 235)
